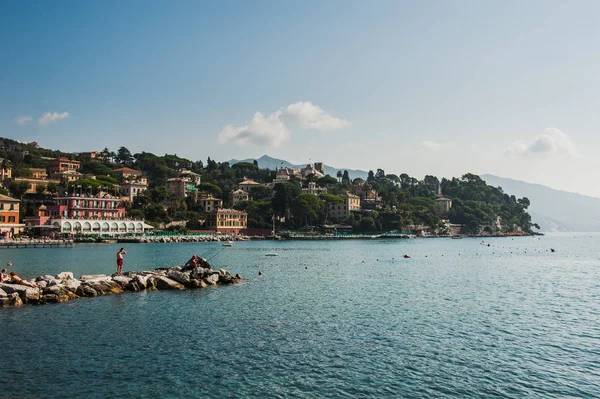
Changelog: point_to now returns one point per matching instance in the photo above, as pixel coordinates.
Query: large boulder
(180, 277)
(104, 287)
(212, 279)
(199, 273)
(27, 294)
(123, 281)
(198, 284)
(71, 284)
(95, 277)
(165, 283)
(60, 293)
(11, 300)
(86, 290)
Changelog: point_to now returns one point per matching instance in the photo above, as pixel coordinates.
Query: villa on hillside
(342, 211)
(238, 196)
(312, 188)
(247, 185)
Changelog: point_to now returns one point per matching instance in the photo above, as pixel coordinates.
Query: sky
(434, 87)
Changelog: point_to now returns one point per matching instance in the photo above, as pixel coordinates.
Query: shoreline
(64, 287)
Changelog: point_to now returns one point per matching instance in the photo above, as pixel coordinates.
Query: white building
(342, 211)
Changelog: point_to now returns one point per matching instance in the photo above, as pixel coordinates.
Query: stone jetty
(64, 287)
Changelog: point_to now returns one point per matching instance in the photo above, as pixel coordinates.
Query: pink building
(104, 207)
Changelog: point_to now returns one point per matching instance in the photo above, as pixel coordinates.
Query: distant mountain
(266, 162)
(553, 210)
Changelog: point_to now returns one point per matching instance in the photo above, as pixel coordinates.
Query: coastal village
(103, 195)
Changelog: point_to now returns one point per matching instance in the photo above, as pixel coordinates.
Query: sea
(327, 319)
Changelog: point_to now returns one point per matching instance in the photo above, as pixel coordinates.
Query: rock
(141, 281)
(86, 290)
(104, 287)
(180, 277)
(50, 298)
(212, 279)
(27, 294)
(133, 286)
(64, 276)
(62, 294)
(165, 283)
(71, 285)
(122, 280)
(3, 294)
(42, 283)
(11, 300)
(199, 273)
(47, 277)
(198, 284)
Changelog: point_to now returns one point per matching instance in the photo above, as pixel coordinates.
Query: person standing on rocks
(120, 261)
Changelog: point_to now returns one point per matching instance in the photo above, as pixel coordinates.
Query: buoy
(260, 272)
(552, 249)
(306, 267)
(406, 256)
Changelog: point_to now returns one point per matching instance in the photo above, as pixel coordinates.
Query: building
(67, 175)
(127, 173)
(342, 211)
(100, 215)
(129, 190)
(227, 221)
(368, 195)
(444, 204)
(62, 164)
(37, 173)
(312, 188)
(9, 216)
(238, 196)
(209, 204)
(247, 185)
(181, 187)
(194, 178)
(311, 170)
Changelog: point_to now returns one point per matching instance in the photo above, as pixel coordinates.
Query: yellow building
(342, 211)
(227, 221)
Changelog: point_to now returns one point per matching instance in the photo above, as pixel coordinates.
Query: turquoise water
(456, 320)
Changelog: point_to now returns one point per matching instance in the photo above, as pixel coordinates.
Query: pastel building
(227, 221)
(312, 188)
(9, 216)
(342, 211)
(247, 185)
(86, 215)
(209, 204)
(181, 187)
(127, 173)
(62, 164)
(444, 204)
(238, 196)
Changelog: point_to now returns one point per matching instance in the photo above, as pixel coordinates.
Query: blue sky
(445, 88)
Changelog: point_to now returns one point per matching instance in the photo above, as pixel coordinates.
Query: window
(12, 207)
(1, 206)
(2, 219)
(11, 219)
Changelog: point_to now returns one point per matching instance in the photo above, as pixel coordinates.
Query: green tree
(18, 188)
(260, 193)
(211, 188)
(124, 156)
(283, 197)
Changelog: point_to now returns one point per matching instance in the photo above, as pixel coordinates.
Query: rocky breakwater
(64, 287)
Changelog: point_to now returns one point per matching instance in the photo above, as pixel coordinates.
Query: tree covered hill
(396, 202)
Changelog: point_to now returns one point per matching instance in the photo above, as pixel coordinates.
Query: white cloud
(269, 131)
(310, 116)
(51, 117)
(552, 142)
(272, 130)
(23, 120)
(432, 145)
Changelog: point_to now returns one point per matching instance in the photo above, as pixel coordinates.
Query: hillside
(553, 210)
(267, 162)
